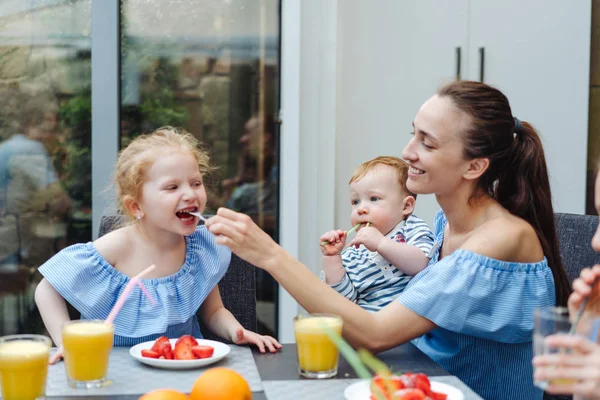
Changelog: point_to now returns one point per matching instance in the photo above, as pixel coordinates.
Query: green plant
(76, 118)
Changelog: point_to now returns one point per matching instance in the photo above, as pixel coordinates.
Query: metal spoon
(196, 214)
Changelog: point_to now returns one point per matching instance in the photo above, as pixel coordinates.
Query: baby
(391, 245)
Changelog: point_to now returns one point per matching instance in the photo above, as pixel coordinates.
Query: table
(280, 380)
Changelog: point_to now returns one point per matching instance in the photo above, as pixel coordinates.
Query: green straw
(360, 361)
(347, 232)
(348, 352)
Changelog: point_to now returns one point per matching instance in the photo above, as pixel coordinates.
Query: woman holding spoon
(159, 182)
(495, 259)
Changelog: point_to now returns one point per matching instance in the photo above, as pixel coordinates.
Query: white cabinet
(392, 55)
(538, 53)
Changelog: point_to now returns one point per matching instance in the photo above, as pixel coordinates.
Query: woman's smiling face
(435, 153)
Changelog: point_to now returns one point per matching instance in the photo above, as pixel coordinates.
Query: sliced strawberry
(188, 340)
(166, 350)
(157, 343)
(422, 382)
(409, 394)
(438, 396)
(386, 385)
(203, 351)
(183, 352)
(150, 354)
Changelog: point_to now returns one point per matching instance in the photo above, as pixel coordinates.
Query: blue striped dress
(91, 285)
(370, 280)
(483, 308)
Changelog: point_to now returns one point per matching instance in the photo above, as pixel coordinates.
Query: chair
(237, 287)
(575, 234)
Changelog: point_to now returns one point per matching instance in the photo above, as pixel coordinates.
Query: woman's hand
(333, 242)
(238, 232)
(244, 336)
(581, 365)
(582, 288)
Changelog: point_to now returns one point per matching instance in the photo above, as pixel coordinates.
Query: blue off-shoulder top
(483, 308)
(91, 285)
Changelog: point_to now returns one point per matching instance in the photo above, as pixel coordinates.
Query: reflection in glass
(45, 129)
(211, 66)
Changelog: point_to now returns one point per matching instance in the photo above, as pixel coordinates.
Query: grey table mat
(334, 389)
(129, 376)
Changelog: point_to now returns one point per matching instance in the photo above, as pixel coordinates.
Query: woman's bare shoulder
(506, 238)
(115, 245)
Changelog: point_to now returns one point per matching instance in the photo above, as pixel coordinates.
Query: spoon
(196, 214)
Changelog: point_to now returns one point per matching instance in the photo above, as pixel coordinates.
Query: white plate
(362, 391)
(221, 350)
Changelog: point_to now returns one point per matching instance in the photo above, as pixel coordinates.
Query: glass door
(45, 145)
(211, 67)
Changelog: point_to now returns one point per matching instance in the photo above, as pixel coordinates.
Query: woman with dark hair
(495, 258)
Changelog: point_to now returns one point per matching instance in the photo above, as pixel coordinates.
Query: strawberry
(157, 343)
(386, 385)
(183, 352)
(188, 340)
(166, 350)
(203, 351)
(438, 396)
(150, 354)
(409, 394)
(183, 348)
(422, 382)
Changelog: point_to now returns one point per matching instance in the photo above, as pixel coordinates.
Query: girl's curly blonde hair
(135, 160)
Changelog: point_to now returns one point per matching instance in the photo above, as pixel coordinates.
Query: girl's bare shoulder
(115, 245)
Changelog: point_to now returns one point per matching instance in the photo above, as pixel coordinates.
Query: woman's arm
(220, 321)
(393, 325)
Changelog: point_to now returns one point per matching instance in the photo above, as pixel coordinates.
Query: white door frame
(308, 135)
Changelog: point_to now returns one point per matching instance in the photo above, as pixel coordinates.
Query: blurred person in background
(33, 204)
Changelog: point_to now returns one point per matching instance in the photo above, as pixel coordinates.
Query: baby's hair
(135, 160)
(398, 164)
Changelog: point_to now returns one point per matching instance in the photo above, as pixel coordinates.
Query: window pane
(45, 132)
(212, 67)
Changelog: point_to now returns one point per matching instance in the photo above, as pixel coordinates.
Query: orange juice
(87, 346)
(317, 354)
(23, 366)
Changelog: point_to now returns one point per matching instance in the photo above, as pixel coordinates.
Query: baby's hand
(244, 336)
(368, 236)
(333, 242)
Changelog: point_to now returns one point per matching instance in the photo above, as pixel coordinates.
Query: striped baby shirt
(370, 280)
(91, 285)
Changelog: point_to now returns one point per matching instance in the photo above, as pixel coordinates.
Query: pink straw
(136, 280)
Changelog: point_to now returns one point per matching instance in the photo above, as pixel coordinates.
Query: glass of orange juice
(87, 345)
(24, 366)
(317, 354)
(550, 321)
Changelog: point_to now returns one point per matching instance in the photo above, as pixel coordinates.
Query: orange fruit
(221, 384)
(164, 394)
